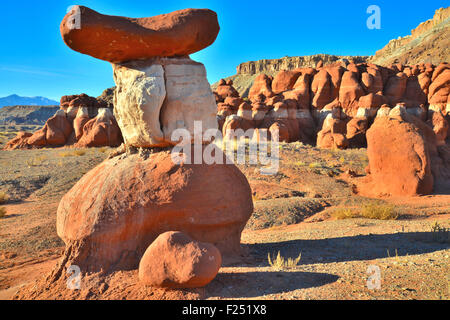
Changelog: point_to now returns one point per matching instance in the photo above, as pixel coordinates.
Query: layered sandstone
(153, 98)
(428, 42)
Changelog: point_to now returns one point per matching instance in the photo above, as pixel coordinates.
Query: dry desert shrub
(379, 211)
(3, 197)
(440, 233)
(2, 212)
(370, 210)
(344, 213)
(280, 263)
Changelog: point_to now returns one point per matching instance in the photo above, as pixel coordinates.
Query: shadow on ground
(360, 247)
(256, 284)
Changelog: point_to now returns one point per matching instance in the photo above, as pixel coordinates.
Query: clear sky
(34, 61)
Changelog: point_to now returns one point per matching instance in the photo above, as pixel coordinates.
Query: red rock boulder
(116, 210)
(284, 81)
(175, 260)
(399, 152)
(58, 129)
(261, 85)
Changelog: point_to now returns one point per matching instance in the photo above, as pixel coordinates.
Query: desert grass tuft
(280, 263)
(72, 153)
(35, 162)
(79, 152)
(440, 233)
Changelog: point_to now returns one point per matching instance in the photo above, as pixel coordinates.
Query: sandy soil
(293, 215)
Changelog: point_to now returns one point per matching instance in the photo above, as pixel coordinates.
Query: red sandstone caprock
(118, 39)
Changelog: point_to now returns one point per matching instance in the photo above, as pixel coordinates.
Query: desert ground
(309, 207)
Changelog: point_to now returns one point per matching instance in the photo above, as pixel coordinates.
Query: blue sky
(34, 61)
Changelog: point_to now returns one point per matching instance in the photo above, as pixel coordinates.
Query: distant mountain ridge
(37, 115)
(273, 66)
(15, 100)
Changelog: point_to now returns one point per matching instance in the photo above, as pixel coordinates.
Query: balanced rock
(120, 39)
(175, 260)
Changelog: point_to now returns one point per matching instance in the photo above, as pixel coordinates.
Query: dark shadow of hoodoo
(255, 284)
(361, 247)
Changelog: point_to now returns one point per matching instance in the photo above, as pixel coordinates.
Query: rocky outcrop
(273, 66)
(175, 260)
(429, 43)
(102, 130)
(81, 121)
(247, 72)
(349, 97)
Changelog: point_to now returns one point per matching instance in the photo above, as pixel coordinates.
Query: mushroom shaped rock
(115, 211)
(175, 260)
(119, 39)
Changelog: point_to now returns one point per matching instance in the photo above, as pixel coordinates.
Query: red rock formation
(395, 88)
(100, 131)
(20, 141)
(349, 93)
(175, 260)
(81, 121)
(118, 39)
(284, 81)
(439, 90)
(115, 211)
(226, 90)
(332, 134)
(400, 153)
(322, 89)
(243, 120)
(357, 88)
(356, 132)
(261, 85)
